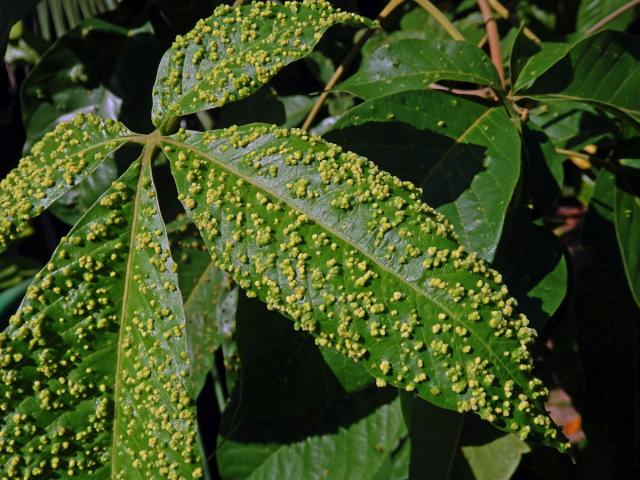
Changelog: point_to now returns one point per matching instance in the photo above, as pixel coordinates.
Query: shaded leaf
(209, 297)
(10, 13)
(530, 66)
(601, 70)
(359, 450)
(231, 54)
(626, 201)
(608, 339)
(415, 64)
(319, 246)
(94, 361)
(592, 11)
(531, 258)
(463, 154)
(63, 158)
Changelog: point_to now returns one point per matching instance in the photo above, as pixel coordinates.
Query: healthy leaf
(359, 451)
(531, 66)
(592, 11)
(94, 363)
(462, 153)
(415, 64)
(627, 221)
(601, 70)
(231, 54)
(10, 13)
(353, 256)
(209, 296)
(531, 258)
(63, 158)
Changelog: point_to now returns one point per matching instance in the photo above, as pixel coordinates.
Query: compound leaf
(352, 255)
(94, 363)
(62, 159)
(231, 54)
(413, 64)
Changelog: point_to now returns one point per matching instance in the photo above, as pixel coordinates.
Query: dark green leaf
(626, 200)
(415, 64)
(231, 54)
(463, 154)
(592, 11)
(530, 67)
(94, 363)
(601, 70)
(209, 298)
(63, 158)
(359, 451)
(532, 261)
(608, 332)
(351, 255)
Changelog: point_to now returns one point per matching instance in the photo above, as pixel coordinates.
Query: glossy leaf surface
(62, 159)
(94, 363)
(601, 70)
(415, 64)
(360, 450)
(231, 54)
(462, 153)
(353, 256)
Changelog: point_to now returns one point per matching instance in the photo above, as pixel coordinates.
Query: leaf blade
(62, 159)
(412, 64)
(234, 62)
(218, 171)
(626, 215)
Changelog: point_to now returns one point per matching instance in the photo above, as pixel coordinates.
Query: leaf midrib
(498, 358)
(145, 159)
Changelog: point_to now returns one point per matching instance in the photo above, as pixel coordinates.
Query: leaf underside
(351, 255)
(231, 54)
(94, 367)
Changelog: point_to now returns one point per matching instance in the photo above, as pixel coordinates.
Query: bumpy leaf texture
(231, 54)
(63, 158)
(94, 365)
(353, 256)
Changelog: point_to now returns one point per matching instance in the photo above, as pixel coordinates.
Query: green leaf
(209, 296)
(626, 215)
(529, 66)
(592, 11)
(601, 70)
(358, 450)
(415, 64)
(63, 158)
(448, 445)
(94, 363)
(231, 54)
(352, 256)
(10, 13)
(88, 70)
(531, 258)
(462, 153)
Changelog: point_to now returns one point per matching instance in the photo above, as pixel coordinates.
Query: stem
(493, 37)
(441, 19)
(346, 63)
(613, 15)
(504, 13)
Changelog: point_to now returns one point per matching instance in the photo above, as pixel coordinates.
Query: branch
(613, 15)
(440, 18)
(346, 63)
(504, 13)
(493, 37)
